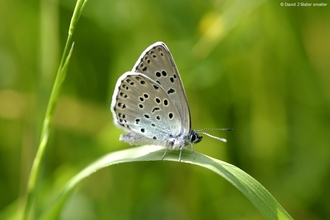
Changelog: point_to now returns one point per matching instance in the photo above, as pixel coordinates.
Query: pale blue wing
(157, 63)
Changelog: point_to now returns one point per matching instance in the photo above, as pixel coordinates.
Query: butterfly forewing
(157, 63)
(142, 106)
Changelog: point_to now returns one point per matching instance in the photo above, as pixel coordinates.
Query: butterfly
(150, 104)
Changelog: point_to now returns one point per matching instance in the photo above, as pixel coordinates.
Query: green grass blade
(60, 76)
(253, 190)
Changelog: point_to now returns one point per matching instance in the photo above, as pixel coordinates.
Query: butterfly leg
(192, 149)
(180, 154)
(164, 154)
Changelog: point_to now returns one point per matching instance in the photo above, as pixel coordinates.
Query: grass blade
(60, 76)
(253, 190)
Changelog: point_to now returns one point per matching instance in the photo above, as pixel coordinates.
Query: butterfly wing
(144, 109)
(157, 63)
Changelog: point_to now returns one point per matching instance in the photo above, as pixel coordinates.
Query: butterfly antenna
(215, 137)
(212, 129)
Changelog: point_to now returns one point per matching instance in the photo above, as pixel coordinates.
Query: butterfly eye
(194, 137)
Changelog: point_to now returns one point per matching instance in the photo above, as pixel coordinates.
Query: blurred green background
(255, 66)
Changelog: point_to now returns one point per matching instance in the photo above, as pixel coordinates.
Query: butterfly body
(171, 143)
(150, 104)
